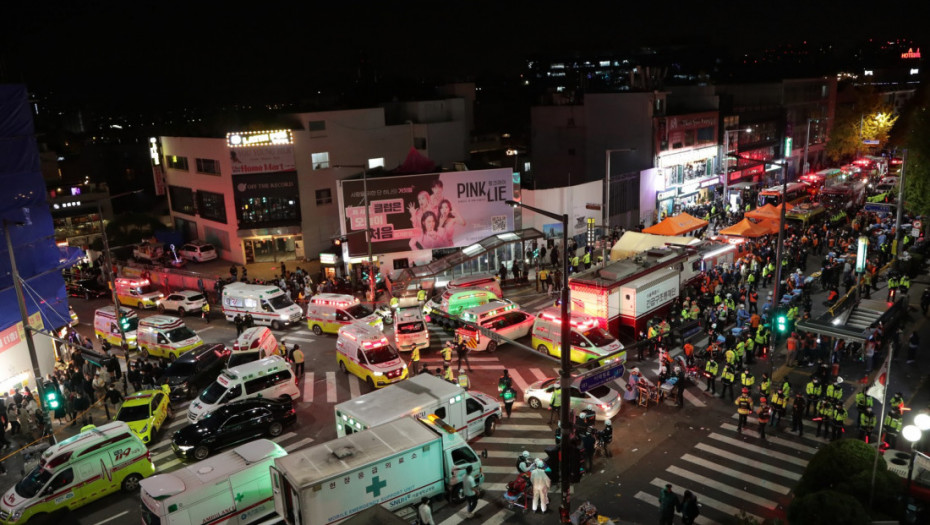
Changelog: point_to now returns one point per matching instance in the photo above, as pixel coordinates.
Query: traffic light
(124, 323)
(781, 323)
(339, 240)
(52, 402)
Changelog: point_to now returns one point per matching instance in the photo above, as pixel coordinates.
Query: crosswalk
(732, 472)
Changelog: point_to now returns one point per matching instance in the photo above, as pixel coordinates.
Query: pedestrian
(461, 350)
(425, 513)
(668, 504)
(240, 324)
(680, 386)
(205, 311)
(297, 357)
(541, 484)
(414, 360)
(249, 321)
(690, 509)
(470, 489)
(555, 404)
(113, 396)
(81, 407)
(509, 396)
(588, 442)
(797, 414)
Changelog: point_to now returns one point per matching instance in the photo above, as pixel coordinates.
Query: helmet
(816, 380)
(729, 295)
(461, 370)
(635, 370)
(868, 409)
(526, 453)
(539, 463)
(745, 390)
(763, 400)
(607, 423)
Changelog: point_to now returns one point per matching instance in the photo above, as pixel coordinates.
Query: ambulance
(267, 304)
(328, 312)
(106, 329)
(137, 292)
(410, 330)
(81, 469)
(364, 351)
(497, 318)
(165, 336)
(589, 342)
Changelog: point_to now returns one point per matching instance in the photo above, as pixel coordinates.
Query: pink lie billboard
(424, 212)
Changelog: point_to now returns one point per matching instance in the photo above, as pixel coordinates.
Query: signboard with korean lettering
(261, 151)
(423, 212)
(648, 293)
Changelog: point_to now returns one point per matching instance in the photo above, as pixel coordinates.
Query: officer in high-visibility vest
(395, 302)
(447, 374)
(750, 350)
(780, 403)
(892, 427)
(205, 311)
(747, 380)
(863, 401)
(447, 354)
(824, 416)
(710, 372)
(743, 408)
(576, 262)
(421, 296)
(835, 391)
(727, 378)
(695, 310)
(765, 385)
(730, 356)
(415, 361)
(555, 404)
(740, 352)
(839, 420)
(586, 260)
(866, 424)
(814, 390)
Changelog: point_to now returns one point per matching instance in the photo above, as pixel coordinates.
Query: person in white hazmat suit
(541, 484)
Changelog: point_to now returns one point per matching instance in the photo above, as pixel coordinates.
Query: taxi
(328, 312)
(365, 352)
(146, 411)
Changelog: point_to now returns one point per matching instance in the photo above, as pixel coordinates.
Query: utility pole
(898, 233)
(21, 301)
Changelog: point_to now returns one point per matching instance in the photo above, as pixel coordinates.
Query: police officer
(414, 360)
(743, 408)
(824, 416)
(798, 410)
(447, 374)
(727, 378)
(898, 399)
(765, 415)
(205, 311)
(892, 427)
(421, 296)
(297, 357)
(780, 405)
(835, 391)
(447, 354)
(866, 424)
(863, 402)
(710, 372)
(747, 380)
(555, 404)
(508, 395)
(765, 385)
(839, 419)
(814, 390)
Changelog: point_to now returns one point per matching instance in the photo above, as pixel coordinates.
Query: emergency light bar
(375, 344)
(143, 282)
(331, 302)
(584, 325)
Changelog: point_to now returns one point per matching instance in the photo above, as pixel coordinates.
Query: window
(376, 163)
(324, 196)
(208, 166)
(472, 406)
(211, 205)
(463, 456)
(320, 160)
(256, 212)
(316, 125)
(176, 163)
(182, 200)
(419, 142)
(440, 413)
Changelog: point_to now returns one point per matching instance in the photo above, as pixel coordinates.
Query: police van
(500, 317)
(81, 469)
(410, 330)
(137, 292)
(328, 312)
(267, 304)
(165, 336)
(106, 329)
(364, 351)
(588, 340)
(270, 377)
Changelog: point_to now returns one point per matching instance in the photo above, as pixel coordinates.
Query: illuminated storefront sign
(242, 139)
(667, 194)
(683, 157)
(911, 53)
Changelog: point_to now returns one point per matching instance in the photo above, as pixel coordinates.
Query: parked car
(197, 251)
(233, 423)
(195, 370)
(182, 302)
(603, 400)
(86, 288)
(145, 412)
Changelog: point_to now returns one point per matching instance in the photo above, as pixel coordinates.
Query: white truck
(231, 488)
(393, 465)
(469, 413)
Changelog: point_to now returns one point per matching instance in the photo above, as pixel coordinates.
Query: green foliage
(917, 166)
(827, 506)
(863, 116)
(132, 228)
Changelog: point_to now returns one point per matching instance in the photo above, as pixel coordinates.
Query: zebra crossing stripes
(707, 501)
(517, 440)
(653, 500)
(331, 387)
(307, 388)
(773, 439)
(298, 444)
(811, 426)
(722, 487)
(788, 458)
(733, 473)
(354, 384)
(538, 373)
(749, 462)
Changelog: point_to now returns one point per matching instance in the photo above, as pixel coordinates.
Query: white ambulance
(106, 329)
(328, 312)
(166, 337)
(410, 329)
(267, 304)
(270, 377)
(497, 318)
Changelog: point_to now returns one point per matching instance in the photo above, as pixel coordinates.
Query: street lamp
(913, 434)
(566, 361)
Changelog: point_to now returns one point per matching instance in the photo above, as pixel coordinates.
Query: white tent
(632, 243)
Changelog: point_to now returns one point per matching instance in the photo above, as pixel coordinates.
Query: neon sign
(911, 53)
(242, 139)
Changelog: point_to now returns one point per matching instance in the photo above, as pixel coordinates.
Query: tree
(915, 136)
(827, 506)
(860, 115)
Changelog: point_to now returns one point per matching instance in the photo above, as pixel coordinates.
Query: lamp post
(898, 232)
(566, 361)
(913, 435)
(371, 263)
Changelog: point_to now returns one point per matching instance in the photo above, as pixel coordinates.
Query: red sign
(911, 53)
(11, 337)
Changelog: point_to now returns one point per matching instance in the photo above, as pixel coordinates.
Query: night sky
(168, 51)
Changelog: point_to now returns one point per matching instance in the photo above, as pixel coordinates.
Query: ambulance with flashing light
(497, 318)
(469, 412)
(328, 312)
(166, 337)
(589, 342)
(77, 471)
(253, 344)
(267, 304)
(106, 329)
(445, 309)
(232, 487)
(364, 351)
(410, 330)
(137, 292)
(484, 281)
(270, 377)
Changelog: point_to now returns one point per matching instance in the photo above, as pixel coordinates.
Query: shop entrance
(270, 249)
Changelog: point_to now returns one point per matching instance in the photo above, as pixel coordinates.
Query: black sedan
(86, 288)
(231, 424)
(195, 370)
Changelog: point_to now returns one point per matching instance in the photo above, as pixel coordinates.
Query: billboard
(423, 212)
(261, 151)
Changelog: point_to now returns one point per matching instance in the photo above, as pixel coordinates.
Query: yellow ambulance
(364, 351)
(106, 329)
(165, 336)
(328, 312)
(137, 292)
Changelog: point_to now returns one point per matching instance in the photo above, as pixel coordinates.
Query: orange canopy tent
(747, 228)
(677, 225)
(767, 212)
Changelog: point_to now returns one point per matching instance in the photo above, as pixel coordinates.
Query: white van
(589, 341)
(253, 344)
(165, 336)
(81, 469)
(328, 312)
(484, 281)
(268, 305)
(410, 330)
(270, 377)
(364, 351)
(232, 487)
(500, 317)
(106, 329)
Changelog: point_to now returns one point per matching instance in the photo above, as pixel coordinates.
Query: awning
(70, 255)
(747, 228)
(632, 243)
(677, 225)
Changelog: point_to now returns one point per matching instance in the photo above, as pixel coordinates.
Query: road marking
(161, 443)
(516, 440)
(499, 518)
(330, 387)
(495, 487)
(298, 444)
(759, 450)
(354, 390)
(284, 437)
(525, 415)
(651, 499)
(518, 379)
(729, 510)
(299, 338)
(526, 428)
(158, 457)
(726, 471)
(773, 439)
(497, 470)
(693, 399)
(111, 518)
(202, 330)
(722, 487)
(807, 423)
(177, 422)
(510, 454)
(749, 462)
(459, 516)
(166, 466)
(308, 387)
(539, 374)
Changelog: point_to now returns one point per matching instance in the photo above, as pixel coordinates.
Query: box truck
(470, 413)
(393, 465)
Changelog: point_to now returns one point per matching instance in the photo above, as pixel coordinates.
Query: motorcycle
(386, 314)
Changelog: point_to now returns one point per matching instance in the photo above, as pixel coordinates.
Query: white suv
(197, 251)
(182, 302)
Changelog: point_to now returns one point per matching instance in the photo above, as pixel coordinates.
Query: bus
(822, 179)
(849, 195)
(797, 192)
